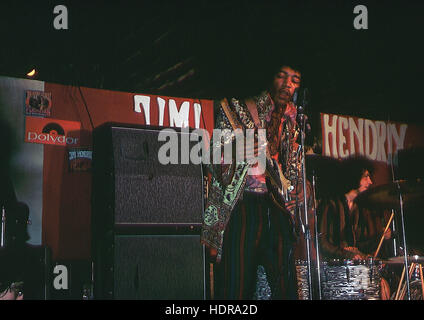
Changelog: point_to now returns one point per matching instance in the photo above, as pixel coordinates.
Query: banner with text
(344, 136)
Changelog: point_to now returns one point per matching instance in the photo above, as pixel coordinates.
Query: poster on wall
(52, 131)
(79, 159)
(38, 103)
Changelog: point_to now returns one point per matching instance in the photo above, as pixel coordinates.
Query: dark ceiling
(211, 49)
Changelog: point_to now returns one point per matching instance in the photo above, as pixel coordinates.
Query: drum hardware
(399, 260)
(394, 237)
(394, 196)
(417, 283)
(415, 274)
(405, 254)
(400, 293)
(347, 274)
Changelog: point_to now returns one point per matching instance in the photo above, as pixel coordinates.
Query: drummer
(347, 231)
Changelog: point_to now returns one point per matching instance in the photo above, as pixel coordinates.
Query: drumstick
(382, 238)
(402, 294)
(402, 291)
(401, 280)
(422, 281)
(411, 269)
(400, 283)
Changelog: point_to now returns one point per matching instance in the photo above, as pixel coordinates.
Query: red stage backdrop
(61, 119)
(67, 193)
(344, 136)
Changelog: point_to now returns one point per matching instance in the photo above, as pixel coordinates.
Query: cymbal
(387, 196)
(401, 260)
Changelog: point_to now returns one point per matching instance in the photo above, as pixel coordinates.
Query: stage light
(31, 73)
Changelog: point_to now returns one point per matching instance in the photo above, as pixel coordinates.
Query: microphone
(301, 100)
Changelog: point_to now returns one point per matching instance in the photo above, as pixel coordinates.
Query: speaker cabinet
(146, 218)
(159, 267)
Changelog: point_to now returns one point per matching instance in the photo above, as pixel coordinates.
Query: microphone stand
(393, 180)
(305, 205)
(405, 253)
(394, 237)
(318, 267)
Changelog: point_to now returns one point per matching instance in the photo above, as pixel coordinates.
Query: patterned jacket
(228, 181)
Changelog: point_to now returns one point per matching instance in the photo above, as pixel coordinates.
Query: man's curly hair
(352, 168)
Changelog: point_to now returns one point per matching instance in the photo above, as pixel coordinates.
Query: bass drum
(342, 280)
(350, 280)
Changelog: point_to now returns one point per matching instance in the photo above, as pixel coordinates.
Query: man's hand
(388, 234)
(213, 254)
(357, 255)
(291, 111)
(291, 205)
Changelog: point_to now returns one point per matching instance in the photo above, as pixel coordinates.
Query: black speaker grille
(147, 191)
(159, 267)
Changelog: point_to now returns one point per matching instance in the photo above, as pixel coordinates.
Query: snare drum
(350, 280)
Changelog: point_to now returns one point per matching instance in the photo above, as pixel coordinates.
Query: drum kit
(362, 280)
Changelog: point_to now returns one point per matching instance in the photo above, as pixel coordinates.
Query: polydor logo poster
(52, 131)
